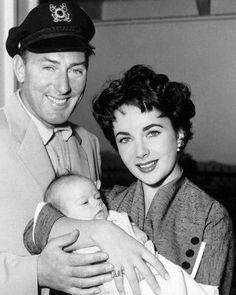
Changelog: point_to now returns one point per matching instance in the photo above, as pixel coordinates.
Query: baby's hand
(140, 235)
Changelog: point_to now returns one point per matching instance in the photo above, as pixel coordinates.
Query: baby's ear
(98, 184)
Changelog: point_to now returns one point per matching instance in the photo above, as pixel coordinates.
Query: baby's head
(77, 197)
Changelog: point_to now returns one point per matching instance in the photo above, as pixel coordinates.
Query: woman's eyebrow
(144, 129)
(152, 125)
(122, 133)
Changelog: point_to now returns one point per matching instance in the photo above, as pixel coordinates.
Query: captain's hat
(52, 27)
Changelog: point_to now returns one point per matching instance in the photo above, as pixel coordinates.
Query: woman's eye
(85, 203)
(153, 133)
(124, 140)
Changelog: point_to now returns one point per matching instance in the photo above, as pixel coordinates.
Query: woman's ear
(19, 68)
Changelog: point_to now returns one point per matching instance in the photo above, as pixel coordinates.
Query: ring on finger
(117, 273)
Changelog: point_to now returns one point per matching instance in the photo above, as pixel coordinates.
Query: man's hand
(69, 272)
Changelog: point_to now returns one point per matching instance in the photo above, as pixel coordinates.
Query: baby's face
(84, 201)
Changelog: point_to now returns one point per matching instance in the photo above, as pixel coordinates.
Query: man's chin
(58, 122)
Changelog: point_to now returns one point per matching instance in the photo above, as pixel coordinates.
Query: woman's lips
(147, 167)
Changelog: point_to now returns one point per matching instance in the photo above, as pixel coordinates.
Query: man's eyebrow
(81, 63)
(44, 58)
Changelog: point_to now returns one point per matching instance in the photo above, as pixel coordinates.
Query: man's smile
(57, 101)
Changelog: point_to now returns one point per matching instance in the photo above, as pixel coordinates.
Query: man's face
(53, 84)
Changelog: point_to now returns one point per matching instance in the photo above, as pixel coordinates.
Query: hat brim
(54, 42)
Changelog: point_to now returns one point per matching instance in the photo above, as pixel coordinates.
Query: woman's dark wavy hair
(140, 86)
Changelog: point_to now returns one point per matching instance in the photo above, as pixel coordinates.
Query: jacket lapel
(31, 148)
(138, 206)
(33, 153)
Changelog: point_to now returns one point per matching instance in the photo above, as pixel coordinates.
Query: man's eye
(77, 71)
(48, 68)
(85, 203)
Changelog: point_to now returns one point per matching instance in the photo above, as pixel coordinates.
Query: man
(50, 52)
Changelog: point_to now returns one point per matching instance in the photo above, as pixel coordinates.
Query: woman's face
(147, 144)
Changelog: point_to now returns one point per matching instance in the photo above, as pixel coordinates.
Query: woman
(146, 118)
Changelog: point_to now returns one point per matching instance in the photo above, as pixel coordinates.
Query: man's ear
(19, 68)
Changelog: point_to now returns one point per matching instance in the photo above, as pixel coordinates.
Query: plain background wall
(8, 16)
(12, 12)
(198, 51)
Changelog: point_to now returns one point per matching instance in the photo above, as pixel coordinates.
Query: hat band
(52, 32)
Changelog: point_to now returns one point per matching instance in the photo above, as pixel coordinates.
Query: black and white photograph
(117, 150)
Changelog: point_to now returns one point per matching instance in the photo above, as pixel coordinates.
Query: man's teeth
(57, 101)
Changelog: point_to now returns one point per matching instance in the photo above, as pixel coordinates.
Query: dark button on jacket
(186, 265)
(195, 240)
(189, 253)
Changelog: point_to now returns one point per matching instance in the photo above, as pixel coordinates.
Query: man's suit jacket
(25, 172)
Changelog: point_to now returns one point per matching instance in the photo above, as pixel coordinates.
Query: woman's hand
(125, 253)
(128, 256)
(139, 234)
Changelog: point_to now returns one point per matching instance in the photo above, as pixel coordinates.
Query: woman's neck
(149, 191)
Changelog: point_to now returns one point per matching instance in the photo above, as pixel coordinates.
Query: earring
(179, 143)
(178, 146)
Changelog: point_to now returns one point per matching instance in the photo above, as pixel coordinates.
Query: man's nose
(63, 83)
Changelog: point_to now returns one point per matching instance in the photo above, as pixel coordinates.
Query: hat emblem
(59, 13)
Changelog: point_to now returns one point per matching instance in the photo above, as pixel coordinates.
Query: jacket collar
(159, 204)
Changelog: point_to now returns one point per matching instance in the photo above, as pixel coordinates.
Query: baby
(78, 197)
